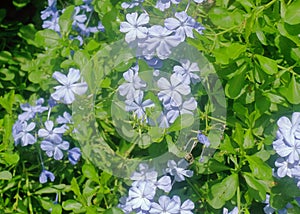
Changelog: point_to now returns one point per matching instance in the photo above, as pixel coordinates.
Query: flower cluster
(29, 128)
(81, 19)
(154, 44)
(143, 191)
(287, 146)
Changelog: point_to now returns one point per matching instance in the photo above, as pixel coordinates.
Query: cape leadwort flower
(164, 205)
(203, 139)
(69, 86)
(187, 70)
(74, 155)
(187, 107)
(182, 26)
(138, 106)
(288, 142)
(54, 149)
(31, 111)
(21, 132)
(234, 211)
(179, 171)
(50, 133)
(133, 85)
(134, 26)
(132, 4)
(172, 90)
(186, 207)
(141, 195)
(45, 175)
(165, 4)
(160, 40)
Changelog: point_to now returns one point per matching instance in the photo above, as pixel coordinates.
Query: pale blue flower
(138, 106)
(134, 26)
(284, 168)
(151, 176)
(52, 23)
(31, 111)
(125, 206)
(144, 174)
(45, 175)
(54, 149)
(163, 121)
(182, 26)
(179, 170)
(78, 18)
(164, 205)
(234, 211)
(69, 86)
(66, 118)
(154, 62)
(172, 90)
(133, 85)
(203, 139)
(87, 6)
(50, 133)
(21, 132)
(141, 195)
(164, 183)
(165, 4)
(188, 71)
(199, 1)
(50, 10)
(74, 155)
(132, 4)
(160, 40)
(268, 209)
(199, 28)
(186, 207)
(288, 138)
(187, 107)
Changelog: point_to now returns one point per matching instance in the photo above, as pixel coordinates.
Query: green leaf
(259, 168)
(113, 211)
(28, 33)
(269, 66)
(71, 205)
(90, 172)
(216, 166)
(47, 38)
(10, 158)
(224, 191)
(221, 17)
(233, 51)
(66, 20)
(292, 13)
(75, 187)
(7, 101)
(292, 91)
(5, 175)
(56, 209)
(183, 121)
(248, 139)
(257, 185)
(2, 14)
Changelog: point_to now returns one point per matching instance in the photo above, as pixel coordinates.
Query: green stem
(239, 198)
(194, 188)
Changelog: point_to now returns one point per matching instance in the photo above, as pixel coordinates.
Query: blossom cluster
(30, 129)
(143, 192)
(287, 146)
(81, 19)
(154, 44)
